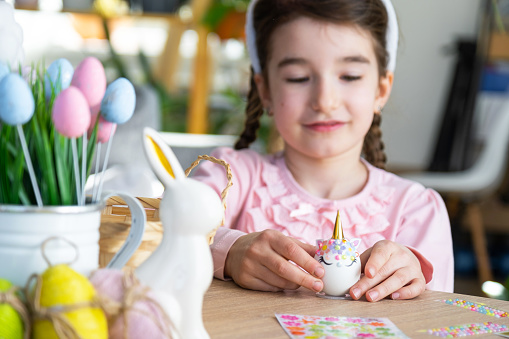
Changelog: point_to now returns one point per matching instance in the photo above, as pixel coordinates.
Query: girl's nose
(325, 98)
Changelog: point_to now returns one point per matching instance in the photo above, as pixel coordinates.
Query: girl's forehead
(308, 36)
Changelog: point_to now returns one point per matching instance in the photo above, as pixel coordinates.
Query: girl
(323, 70)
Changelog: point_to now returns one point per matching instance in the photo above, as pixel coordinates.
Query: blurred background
(188, 62)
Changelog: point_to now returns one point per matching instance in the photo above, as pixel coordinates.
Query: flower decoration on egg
(343, 253)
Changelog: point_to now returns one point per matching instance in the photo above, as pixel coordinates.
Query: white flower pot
(24, 230)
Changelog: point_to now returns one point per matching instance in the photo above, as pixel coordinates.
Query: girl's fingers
(294, 274)
(414, 289)
(269, 277)
(298, 253)
(260, 285)
(265, 256)
(377, 257)
(388, 267)
(393, 283)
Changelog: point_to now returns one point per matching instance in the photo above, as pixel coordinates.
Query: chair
(478, 181)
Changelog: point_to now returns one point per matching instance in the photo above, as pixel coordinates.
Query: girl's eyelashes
(347, 78)
(321, 260)
(354, 261)
(297, 80)
(350, 77)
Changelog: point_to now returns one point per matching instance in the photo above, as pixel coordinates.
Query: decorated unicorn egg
(90, 78)
(16, 100)
(340, 260)
(58, 77)
(119, 101)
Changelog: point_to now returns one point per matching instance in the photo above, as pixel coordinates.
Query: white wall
(412, 118)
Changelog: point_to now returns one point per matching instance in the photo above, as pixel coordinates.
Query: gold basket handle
(224, 193)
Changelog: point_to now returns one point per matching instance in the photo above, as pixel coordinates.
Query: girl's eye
(321, 260)
(297, 80)
(350, 77)
(354, 261)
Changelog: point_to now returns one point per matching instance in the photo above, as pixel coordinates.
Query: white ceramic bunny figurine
(182, 264)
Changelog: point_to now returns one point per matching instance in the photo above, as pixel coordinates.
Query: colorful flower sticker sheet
(315, 327)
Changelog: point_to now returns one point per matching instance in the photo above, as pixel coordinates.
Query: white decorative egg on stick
(340, 260)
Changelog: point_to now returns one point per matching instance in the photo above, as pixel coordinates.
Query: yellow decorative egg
(62, 286)
(11, 324)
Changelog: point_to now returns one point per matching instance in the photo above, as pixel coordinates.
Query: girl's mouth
(325, 126)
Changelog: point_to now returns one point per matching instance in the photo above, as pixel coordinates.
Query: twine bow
(224, 193)
(55, 315)
(9, 297)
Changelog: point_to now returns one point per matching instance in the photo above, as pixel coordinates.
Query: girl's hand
(389, 269)
(260, 261)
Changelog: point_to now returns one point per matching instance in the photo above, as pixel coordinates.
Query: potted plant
(50, 128)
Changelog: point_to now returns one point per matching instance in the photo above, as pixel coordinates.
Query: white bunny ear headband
(391, 36)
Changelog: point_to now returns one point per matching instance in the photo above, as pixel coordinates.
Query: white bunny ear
(163, 161)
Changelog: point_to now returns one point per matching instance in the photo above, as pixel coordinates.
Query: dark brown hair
(268, 15)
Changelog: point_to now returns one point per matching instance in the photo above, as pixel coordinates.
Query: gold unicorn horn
(338, 228)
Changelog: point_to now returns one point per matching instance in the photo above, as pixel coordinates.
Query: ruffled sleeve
(425, 229)
(243, 165)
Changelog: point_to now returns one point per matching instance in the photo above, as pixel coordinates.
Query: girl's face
(323, 87)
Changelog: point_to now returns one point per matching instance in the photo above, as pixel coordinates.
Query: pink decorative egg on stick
(71, 117)
(89, 77)
(105, 131)
(340, 260)
(71, 114)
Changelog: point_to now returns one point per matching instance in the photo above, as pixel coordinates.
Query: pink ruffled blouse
(265, 195)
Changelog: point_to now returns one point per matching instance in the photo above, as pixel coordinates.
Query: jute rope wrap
(55, 315)
(9, 297)
(224, 193)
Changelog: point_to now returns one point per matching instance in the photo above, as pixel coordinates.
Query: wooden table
(232, 312)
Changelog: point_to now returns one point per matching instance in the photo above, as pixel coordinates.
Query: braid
(254, 111)
(373, 148)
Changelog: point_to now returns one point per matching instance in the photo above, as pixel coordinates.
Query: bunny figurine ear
(163, 161)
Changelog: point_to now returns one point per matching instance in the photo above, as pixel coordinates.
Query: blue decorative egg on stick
(58, 77)
(119, 101)
(16, 100)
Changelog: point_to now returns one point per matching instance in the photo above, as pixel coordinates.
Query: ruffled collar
(294, 211)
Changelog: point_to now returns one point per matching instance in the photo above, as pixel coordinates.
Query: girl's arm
(423, 247)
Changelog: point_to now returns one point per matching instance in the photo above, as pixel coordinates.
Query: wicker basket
(115, 224)
(116, 221)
